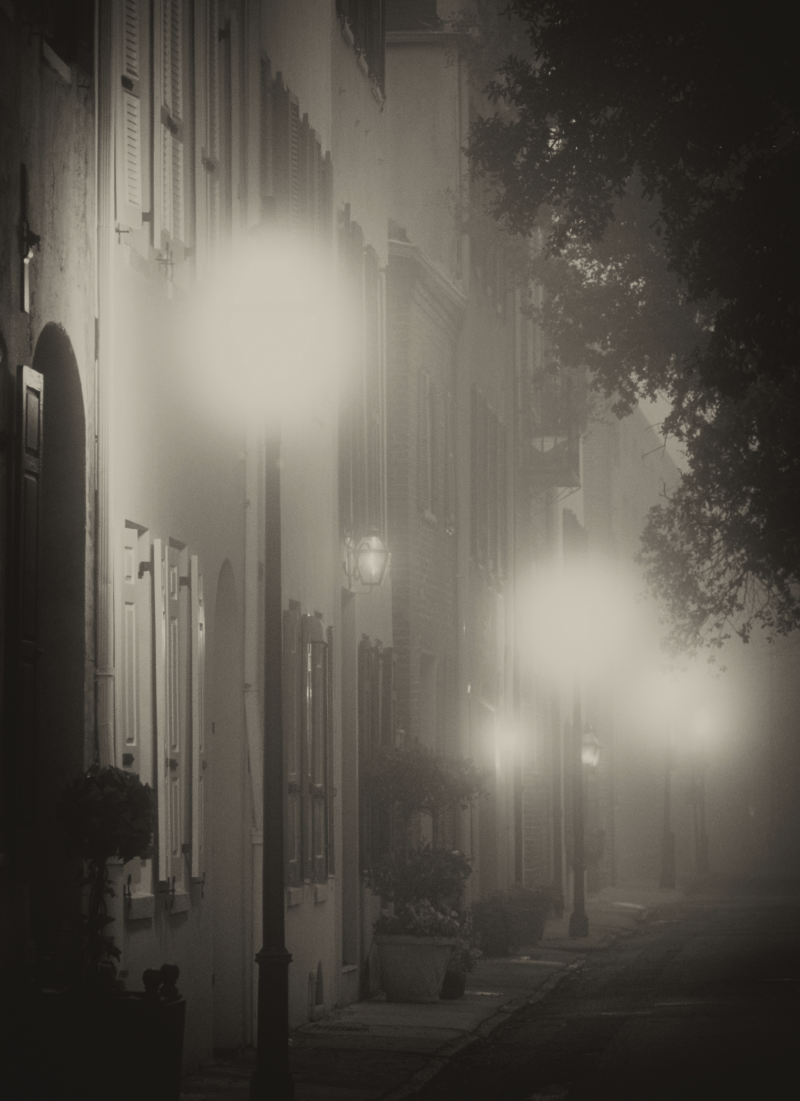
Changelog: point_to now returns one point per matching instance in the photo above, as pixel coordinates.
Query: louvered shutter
(329, 792)
(169, 143)
(129, 667)
(162, 768)
(22, 688)
(207, 152)
(176, 710)
(134, 678)
(365, 710)
(198, 648)
(130, 117)
(315, 699)
(292, 741)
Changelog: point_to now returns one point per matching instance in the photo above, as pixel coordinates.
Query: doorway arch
(62, 715)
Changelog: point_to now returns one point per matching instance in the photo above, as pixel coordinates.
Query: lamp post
(703, 723)
(271, 316)
(667, 878)
(585, 756)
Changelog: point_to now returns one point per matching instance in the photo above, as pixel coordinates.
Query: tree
(658, 148)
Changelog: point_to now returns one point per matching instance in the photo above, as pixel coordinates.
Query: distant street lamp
(703, 723)
(580, 618)
(667, 879)
(586, 756)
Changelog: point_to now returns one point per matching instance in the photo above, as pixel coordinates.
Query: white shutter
(198, 645)
(129, 666)
(207, 172)
(129, 144)
(160, 671)
(169, 215)
(176, 713)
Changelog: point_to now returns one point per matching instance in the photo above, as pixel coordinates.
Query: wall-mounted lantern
(590, 749)
(366, 561)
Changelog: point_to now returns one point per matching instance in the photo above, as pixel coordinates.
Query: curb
(455, 1047)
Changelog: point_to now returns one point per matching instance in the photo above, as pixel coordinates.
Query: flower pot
(454, 984)
(97, 1046)
(412, 968)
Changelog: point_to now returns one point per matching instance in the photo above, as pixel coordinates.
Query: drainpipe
(103, 554)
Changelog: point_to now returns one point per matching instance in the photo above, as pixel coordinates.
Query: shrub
(438, 875)
(507, 920)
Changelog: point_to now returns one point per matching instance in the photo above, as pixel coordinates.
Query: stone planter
(412, 968)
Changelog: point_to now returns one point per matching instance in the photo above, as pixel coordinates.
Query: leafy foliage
(415, 780)
(507, 920)
(104, 813)
(418, 919)
(433, 874)
(657, 149)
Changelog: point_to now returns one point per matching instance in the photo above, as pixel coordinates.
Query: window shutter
(313, 714)
(22, 687)
(129, 671)
(293, 755)
(316, 697)
(130, 117)
(198, 647)
(134, 678)
(388, 697)
(329, 793)
(176, 711)
(169, 145)
(425, 443)
(207, 154)
(162, 769)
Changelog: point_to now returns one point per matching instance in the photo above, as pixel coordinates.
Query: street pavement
(378, 1049)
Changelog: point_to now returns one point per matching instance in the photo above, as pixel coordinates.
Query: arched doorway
(61, 713)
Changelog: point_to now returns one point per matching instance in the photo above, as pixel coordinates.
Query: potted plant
(95, 1036)
(420, 886)
(414, 944)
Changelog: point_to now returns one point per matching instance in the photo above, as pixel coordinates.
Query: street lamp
(580, 616)
(586, 756)
(703, 724)
(366, 561)
(272, 319)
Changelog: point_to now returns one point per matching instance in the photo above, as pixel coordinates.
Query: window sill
(180, 903)
(294, 896)
(320, 892)
(140, 908)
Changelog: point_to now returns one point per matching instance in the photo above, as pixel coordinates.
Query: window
(160, 704)
(132, 175)
(207, 136)
(171, 125)
(449, 503)
(307, 717)
(488, 475)
(296, 179)
(362, 460)
(376, 728)
(366, 20)
(426, 445)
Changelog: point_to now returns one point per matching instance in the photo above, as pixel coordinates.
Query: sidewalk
(379, 1049)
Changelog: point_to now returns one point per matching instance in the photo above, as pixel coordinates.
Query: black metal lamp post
(272, 1079)
(667, 878)
(585, 755)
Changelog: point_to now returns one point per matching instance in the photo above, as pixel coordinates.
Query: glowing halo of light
(272, 329)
